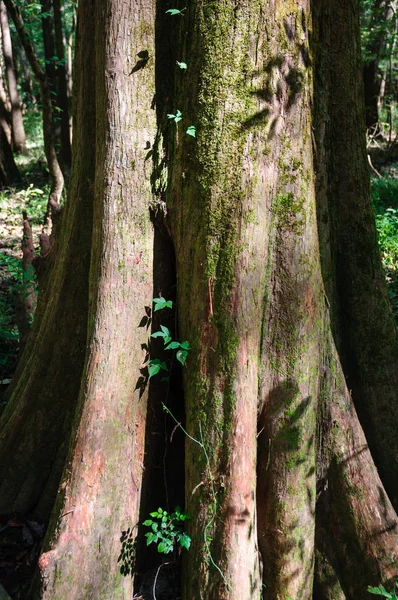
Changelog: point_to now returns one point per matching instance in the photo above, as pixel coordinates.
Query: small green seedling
(155, 365)
(162, 303)
(381, 591)
(177, 117)
(164, 333)
(175, 11)
(170, 344)
(182, 65)
(167, 530)
(191, 130)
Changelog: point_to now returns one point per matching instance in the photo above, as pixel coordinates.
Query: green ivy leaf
(153, 370)
(182, 356)
(173, 346)
(158, 334)
(176, 118)
(380, 591)
(162, 303)
(165, 330)
(185, 541)
(175, 11)
(182, 65)
(191, 131)
(159, 303)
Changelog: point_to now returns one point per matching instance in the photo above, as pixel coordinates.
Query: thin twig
(269, 454)
(373, 168)
(179, 425)
(156, 579)
(174, 430)
(197, 487)
(214, 507)
(210, 299)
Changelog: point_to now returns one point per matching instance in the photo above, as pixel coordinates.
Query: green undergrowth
(13, 280)
(29, 194)
(381, 591)
(385, 204)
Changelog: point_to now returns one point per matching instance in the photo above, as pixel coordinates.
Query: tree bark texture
(36, 425)
(18, 130)
(101, 495)
(280, 481)
(362, 320)
(242, 208)
(217, 226)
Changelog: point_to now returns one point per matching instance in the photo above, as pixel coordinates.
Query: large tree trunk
(362, 320)
(18, 131)
(219, 227)
(32, 457)
(277, 464)
(101, 496)
(252, 304)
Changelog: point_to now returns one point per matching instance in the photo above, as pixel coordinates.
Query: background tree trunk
(62, 93)
(18, 131)
(383, 11)
(8, 169)
(5, 106)
(57, 178)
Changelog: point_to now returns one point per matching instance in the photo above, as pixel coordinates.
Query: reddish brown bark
(102, 483)
(275, 442)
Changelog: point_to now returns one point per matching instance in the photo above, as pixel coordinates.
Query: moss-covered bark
(362, 320)
(243, 215)
(217, 220)
(276, 444)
